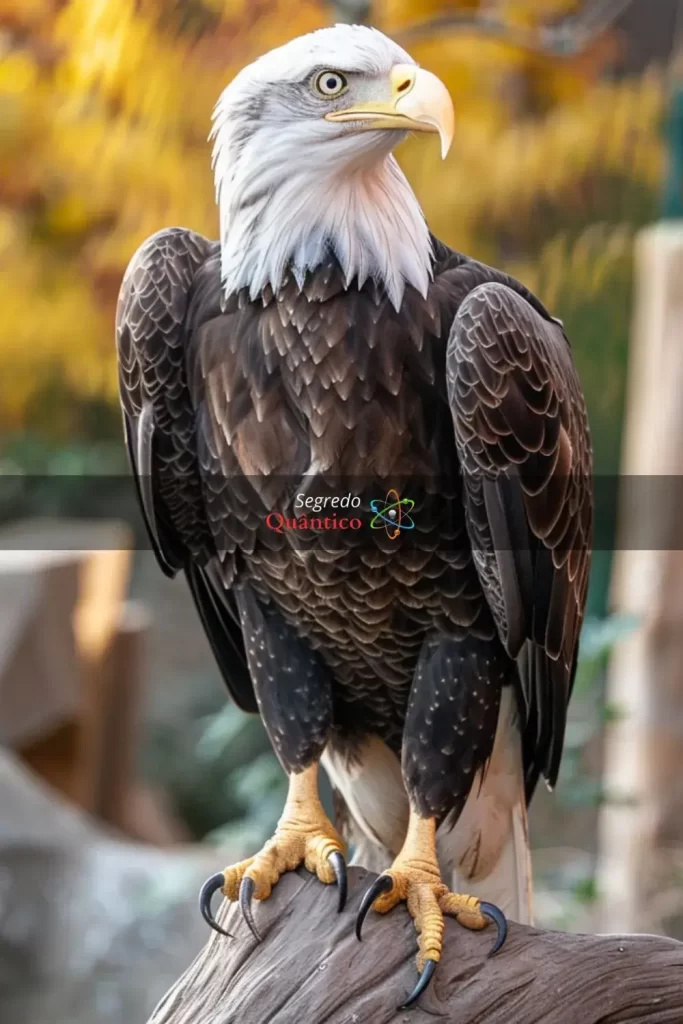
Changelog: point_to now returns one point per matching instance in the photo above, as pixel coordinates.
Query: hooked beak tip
(428, 102)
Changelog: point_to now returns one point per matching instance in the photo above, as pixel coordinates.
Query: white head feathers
(293, 186)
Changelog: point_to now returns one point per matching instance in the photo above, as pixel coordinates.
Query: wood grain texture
(310, 969)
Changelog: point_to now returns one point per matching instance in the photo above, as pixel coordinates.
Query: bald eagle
(329, 343)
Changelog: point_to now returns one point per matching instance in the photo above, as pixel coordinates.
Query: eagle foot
(304, 835)
(414, 877)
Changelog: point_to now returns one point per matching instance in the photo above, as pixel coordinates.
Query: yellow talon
(304, 835)
(414, 877)
(233, 876)
(465, 909)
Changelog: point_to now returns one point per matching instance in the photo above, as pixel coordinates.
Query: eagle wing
(161, 435)
(523, 443)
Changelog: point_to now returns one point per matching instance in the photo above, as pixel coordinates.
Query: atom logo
(393, 514)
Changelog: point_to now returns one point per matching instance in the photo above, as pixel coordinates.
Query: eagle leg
(304, 835)
(415, 877)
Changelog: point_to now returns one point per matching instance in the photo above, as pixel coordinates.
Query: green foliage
(586, 890)
(586, 279)
(598, 639)
(81, 480)
(221, 772)
(261, 787)
(578, 786)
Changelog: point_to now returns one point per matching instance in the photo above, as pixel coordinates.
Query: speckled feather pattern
(293, 689)
(412, 644)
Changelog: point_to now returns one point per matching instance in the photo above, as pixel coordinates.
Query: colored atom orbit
(392, 515)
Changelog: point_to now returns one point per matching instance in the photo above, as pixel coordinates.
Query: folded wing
(160, 429)
(522, 437)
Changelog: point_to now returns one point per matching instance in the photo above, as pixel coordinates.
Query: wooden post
(118, 705)
(62, 588)
(71, 669)
(644, 747)
(104, 587)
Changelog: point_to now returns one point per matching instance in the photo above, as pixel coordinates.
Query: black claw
(246, 892)
(339, 867)
(212, 885)
(381, 885)
(498, 917)
(422, 982)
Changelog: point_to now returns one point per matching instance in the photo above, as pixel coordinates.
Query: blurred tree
(105, 109)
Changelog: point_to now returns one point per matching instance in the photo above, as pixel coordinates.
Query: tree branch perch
(310, 969)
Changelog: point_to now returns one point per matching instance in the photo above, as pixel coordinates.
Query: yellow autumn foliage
(105, 109)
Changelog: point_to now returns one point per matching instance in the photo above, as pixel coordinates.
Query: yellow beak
(420, 103)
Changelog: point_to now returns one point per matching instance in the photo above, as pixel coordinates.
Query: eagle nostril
(404, 85)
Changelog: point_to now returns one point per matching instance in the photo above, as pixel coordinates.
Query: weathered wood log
(310, 969)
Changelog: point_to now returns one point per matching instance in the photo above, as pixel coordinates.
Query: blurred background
(122, 768)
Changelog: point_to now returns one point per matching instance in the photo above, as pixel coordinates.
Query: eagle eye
(330, 84)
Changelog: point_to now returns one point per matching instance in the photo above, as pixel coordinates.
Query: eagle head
(304, 167)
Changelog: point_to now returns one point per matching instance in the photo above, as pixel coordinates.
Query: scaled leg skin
(294, 695)
(448, 737)
(304, 835)
(415, 877)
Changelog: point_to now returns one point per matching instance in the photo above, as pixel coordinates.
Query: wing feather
(522, 437)
(161, 434)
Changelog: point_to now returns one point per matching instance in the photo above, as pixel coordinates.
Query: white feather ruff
(292, 186)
